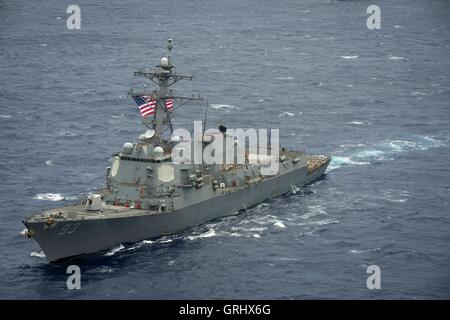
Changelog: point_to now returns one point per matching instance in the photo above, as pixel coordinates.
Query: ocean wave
(384, 150)
(396, 58)
(313, 211)
(356, 251)
(38, 254)
(279, 224)
(319, 222)
(208, 234)
(5, 116)
(392, 195)
(286, 114)
(223, 106)
(355, 56)
(359, 123)
(339, 161)
(49, 196)
(115, 250)
(67, 134)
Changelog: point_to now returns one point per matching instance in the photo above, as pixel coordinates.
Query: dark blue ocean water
(377, 100)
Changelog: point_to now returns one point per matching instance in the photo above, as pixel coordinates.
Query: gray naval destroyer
(148, 195)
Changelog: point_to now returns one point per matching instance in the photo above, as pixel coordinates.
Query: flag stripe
(145, 104)
(169, 104)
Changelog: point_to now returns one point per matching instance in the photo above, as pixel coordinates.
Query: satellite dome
(127, 147)
(149, 134)
(164, 62)
(158, 152)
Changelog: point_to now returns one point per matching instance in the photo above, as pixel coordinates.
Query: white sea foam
(223, 106)
(384, 150)
(279, 224)
(396, 58)
(339, 161)
(5, 116)
(285, 78)
(355, 56)
(115, 250)
(313, 211)
(356, 251)
(67, 134)
(286, 114)
(49, 196)
(257, 236)
(49, 162)
(359, 123)
(208, 234)
(38, 254)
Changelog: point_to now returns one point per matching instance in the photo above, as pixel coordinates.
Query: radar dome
(158, 152)
(127, 147)
(164, 62)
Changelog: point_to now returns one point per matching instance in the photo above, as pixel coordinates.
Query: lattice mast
(164, 76)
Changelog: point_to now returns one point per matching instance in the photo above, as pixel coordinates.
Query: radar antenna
(164, 76)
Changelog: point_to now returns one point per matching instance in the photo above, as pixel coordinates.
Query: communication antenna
(204, 121)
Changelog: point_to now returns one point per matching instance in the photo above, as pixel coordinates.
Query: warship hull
(75, 237)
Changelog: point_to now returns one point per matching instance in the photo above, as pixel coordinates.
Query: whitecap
(49, 196)
(355, 56)
(67, 134)
(223, 106)
(314, 211)
(288, 114)
(5, 116)
(359, 123)
(210, 233)
(339, 161)
(49, 162)
(115, 250)
(38, 254)
(369, 154)
(418, 93)
(279, 224)
(284, 78)
(257, 236)
(355, 251)
(396, 58)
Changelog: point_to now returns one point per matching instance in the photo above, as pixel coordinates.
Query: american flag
(146, 105)
(169, 104)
